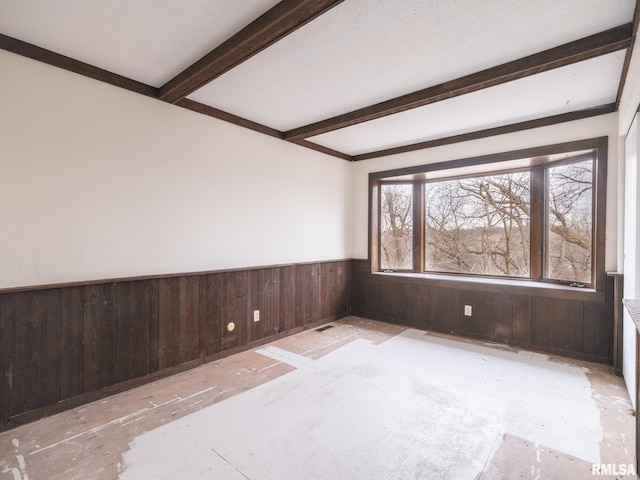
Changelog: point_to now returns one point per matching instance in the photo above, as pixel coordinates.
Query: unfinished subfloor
(358, 400)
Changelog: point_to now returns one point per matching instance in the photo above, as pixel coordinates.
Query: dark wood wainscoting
(62, 346)
(551, 322)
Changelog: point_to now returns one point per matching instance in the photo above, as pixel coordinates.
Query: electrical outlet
(467, 310)
(256, 315)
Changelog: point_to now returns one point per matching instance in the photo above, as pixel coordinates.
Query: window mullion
(418, 227)
(375, 198)
(537, 222)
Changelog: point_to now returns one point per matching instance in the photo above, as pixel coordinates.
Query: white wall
(630, 198)
(97, 182)
(604, 125)
(630, 263)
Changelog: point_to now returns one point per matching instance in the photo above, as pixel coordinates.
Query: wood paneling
(36, 342)
(503, 325)
(7, 351)
(557, 323)
(599, 336)
(99, 339)
(574, 326)
(136, 329)
(290, 317)
(62, 346)
(269, 303)
(618, 291)
(178, 320)
(210, 324)
(521, 318)
(308, 296)
(71, 349)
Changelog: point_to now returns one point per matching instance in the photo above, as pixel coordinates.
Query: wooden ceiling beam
(283, 19)
(627, 58)
(491, 132)
(227, 117)
(43, 55)
(322, 149)
(589, 47)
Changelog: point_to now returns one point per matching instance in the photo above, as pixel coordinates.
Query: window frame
(416, 235)
(540, 159)
(545, 235)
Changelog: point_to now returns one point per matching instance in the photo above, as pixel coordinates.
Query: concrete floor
(360, 400)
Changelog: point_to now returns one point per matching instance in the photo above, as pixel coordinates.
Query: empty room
(323, 239)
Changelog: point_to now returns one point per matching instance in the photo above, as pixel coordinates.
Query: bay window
(535, 214)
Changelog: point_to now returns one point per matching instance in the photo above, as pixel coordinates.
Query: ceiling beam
(256, 127)
(43, 55)
(627, 58)
(491, 132)
(589, 47)
(283, 19)
(322, 149)
(227, 117)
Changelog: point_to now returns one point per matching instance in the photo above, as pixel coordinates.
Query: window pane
(569, 229)
(479, 225)
(396, 227)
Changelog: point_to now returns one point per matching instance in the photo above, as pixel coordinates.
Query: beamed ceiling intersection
(290, 16)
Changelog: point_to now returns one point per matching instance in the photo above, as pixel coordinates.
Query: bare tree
(446, 248)
(490, 231)
(570, 221)
(396, 227)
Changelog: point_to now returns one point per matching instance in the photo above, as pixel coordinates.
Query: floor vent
(322, 329)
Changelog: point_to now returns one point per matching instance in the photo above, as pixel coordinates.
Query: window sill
(507, 286)
(633, 308)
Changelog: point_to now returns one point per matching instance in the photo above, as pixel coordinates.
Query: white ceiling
(359, 53)
(365, 51)
(150, 41)
(575, 87)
